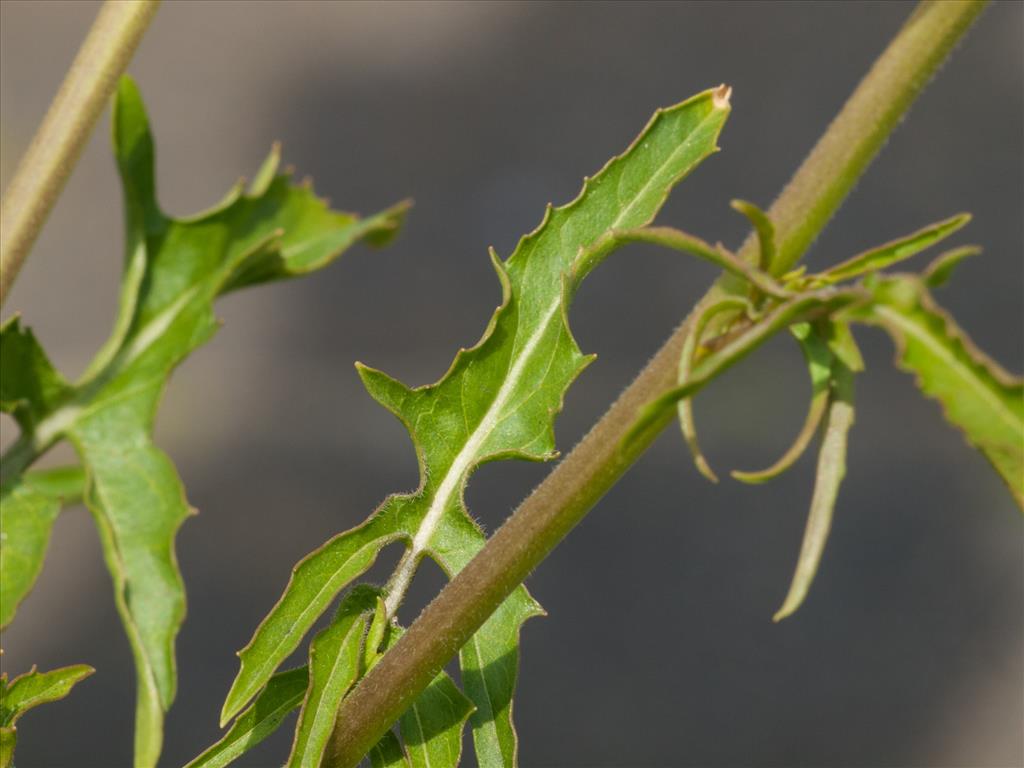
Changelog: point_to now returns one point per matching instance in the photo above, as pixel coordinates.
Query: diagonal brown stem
(799, 213)
(59, 141)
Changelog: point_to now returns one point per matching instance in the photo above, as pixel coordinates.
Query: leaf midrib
(463, 461)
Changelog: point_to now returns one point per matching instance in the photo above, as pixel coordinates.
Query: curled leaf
(938, 272)
(691, 347)
(765, 232)
(831, 470)
(807, 306)
(819, 366)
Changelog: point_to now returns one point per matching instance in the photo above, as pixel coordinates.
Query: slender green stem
(59, 141)
(561, 501)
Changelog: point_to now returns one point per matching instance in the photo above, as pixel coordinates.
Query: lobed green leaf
(497, 401)
(977, 395)
(174, 270)
(28, 691)
(34, 688)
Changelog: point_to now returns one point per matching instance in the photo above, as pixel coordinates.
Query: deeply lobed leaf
(498, 400)
(174, 269)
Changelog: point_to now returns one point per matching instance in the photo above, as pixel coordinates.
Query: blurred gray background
(659, 649)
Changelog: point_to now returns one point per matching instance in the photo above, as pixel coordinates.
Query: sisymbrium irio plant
(371, 687)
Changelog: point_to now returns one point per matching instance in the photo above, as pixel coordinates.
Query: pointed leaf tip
(830, 473)
(721, 96)
(938, 272)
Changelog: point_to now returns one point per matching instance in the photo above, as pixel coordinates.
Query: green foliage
(985, 401)
(29, 504)
(497, 401)
(174, 269)
(977, 395)
(388, 753)
(831, 470)
(281, 696)
(335, 657)
(887, 255)
(30, 690)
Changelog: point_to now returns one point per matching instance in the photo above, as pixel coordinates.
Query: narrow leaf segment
(497, 401)
(174, 269)
(831, 470)
(282, 695)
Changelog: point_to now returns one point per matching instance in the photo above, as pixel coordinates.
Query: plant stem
(799, 213)
(62, 135)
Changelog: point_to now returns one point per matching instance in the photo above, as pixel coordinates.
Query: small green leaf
(806, 306)
(28, 507)
(283, 694)
(432, 727)
(942, 267)
(893, 252)
(819, 365)
(831, 470)
(34, 688)
(977, 395)
(334, 661)
(388, 753)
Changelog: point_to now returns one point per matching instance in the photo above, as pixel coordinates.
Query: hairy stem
(801, 211)
(59, 141)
